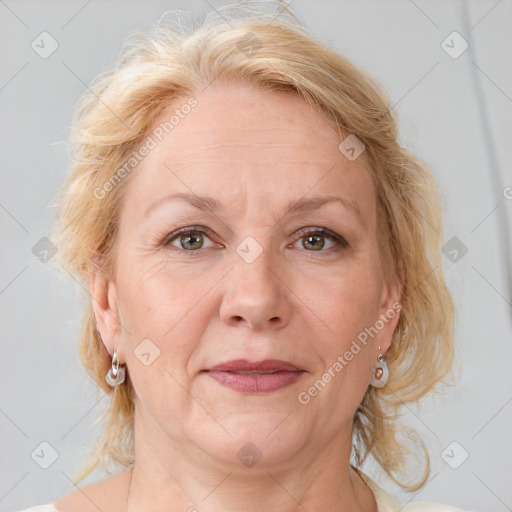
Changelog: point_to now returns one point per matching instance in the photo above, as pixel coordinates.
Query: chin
(258, 442)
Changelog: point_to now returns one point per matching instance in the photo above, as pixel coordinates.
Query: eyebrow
(303, 204)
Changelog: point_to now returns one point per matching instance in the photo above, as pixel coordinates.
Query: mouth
(255, 377)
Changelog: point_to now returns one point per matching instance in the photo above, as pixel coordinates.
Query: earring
(116, 374)
(381, 373)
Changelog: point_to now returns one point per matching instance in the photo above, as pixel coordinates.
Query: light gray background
(455, 113)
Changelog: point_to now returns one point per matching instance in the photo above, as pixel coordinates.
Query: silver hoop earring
(116, 373)
(380, 373)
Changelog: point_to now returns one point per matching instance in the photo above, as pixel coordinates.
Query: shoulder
(41, 508)
(107, 495)
(386, 503)
(424, 506)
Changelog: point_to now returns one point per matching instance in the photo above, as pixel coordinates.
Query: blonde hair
(276, 52)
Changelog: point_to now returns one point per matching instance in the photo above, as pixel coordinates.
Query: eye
(314, 239)
(188, 240)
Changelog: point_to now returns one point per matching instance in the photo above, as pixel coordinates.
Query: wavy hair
(274, 50)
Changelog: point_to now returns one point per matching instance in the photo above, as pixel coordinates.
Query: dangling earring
(116, 374)
(381, 373)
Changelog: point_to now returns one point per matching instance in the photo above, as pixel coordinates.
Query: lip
(240, 365)
(255, 377)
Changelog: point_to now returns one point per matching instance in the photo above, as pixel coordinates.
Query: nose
(256, 295)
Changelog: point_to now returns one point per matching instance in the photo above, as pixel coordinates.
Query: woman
(264, 271)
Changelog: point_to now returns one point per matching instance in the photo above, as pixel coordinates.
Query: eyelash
(337, 239)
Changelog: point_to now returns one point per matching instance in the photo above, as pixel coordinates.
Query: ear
(106, 312)
(390, 307)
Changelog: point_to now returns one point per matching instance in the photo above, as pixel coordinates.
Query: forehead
(240, 141)
(230, 116)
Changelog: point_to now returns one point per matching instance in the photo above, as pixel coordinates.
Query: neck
(182, 478)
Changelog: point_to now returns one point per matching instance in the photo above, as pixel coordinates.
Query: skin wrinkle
(288, 304)
(210, 207)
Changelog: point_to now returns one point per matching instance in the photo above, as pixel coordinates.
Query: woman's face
(252, 282)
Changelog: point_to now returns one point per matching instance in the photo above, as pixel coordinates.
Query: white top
(385, 502)
(41, 508)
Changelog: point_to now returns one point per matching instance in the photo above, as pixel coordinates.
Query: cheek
(156, 312)
(157, 306)
(153, 297)
(348, 305)
(349, 301)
